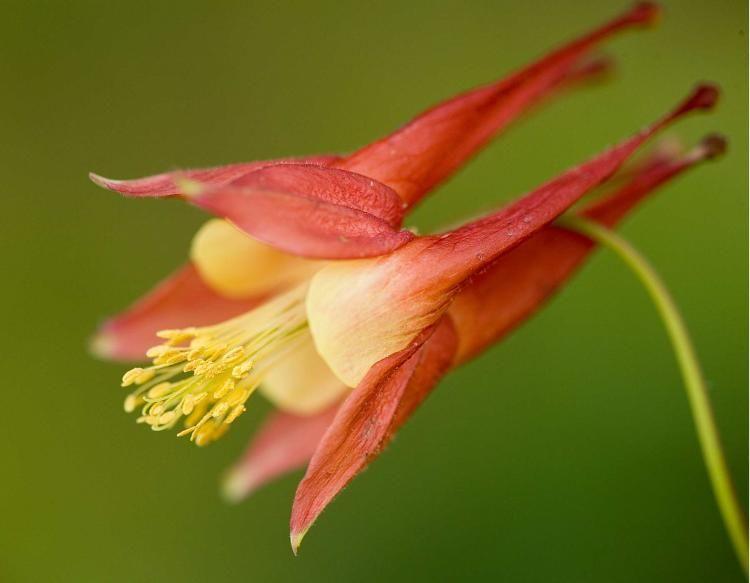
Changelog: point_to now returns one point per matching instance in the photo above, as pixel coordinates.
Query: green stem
(695, 385)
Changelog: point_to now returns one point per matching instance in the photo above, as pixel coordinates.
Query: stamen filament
(205, 375)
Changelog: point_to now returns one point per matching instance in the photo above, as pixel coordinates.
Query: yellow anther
(205, 369)
(200, 341)
(187, 405)
(240, 397)
(168, 333)
(228, 385)
(131, 402)
(145, 376)
(202, 435)
(219, 410)
(198, 410)
(129, 377)
(177, 336)
(192, 365)
(195, 353)
(159, 390)
(234, 413)
(156, 410)
(168, 417)
(200, 423)
(219, 431)
(157, 350)
(173, 356)
(241, 370)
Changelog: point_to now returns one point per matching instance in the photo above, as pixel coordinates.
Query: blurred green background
(565, 454)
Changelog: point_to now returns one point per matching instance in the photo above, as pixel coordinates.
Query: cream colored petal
(302, 383)
(236, 265)
(362, 311)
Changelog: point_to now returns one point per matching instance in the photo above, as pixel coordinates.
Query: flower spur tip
(704, 96)
(713, 146)
(647, 13)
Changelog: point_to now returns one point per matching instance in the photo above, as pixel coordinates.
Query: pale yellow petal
(236, 265)
(362, 311)
(302, 383)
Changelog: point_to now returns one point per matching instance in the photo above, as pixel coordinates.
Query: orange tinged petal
(362, 311)
(427, 150)
(182, 299)
(521, 281)
(491, 305)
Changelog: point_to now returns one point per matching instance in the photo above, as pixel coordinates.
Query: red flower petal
(661, 168)
(468, 249)
(361, 312)
(368, 419)
(491, 305)
(426, 151)
(166, 184)
(516, 285)
(329, 185)
(284, 443)
(182, 299)
(311, 211)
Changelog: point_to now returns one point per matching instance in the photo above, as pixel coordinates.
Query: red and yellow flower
(308, 288)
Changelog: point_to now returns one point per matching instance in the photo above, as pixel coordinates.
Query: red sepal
(181, 300)
(368, 419)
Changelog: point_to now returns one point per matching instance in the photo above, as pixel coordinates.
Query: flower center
(206, 375)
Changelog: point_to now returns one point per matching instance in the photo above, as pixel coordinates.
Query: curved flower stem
(695, 385)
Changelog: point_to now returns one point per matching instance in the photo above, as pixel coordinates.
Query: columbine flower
(328, 206)
(206, 374)
(484, 310)
(489, 307)
(339, 297)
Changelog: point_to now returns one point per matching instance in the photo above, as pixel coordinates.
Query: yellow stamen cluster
(205, 375)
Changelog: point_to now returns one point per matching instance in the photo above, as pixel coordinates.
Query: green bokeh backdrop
(565, 454)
